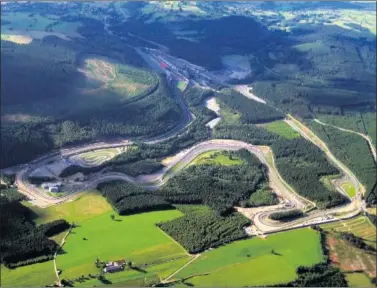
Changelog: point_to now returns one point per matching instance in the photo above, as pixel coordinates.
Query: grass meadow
(39, 274)
(281, 128)
(358, 280)
(251, 262)
(349, 188)
(135, 238)
(216, 158)
(88, 205)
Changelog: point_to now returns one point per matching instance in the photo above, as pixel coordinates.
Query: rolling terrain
(195, 155)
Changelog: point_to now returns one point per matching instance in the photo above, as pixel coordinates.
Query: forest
(356, 241)
(22, 243)
(127, 198)
(263, 196)
(319, 275)
(252, 111)
(200, 228)
(219, 187)
(56, 112)
(286, 215)
(290, 156)
(162, 110)
(144, 158)
(353, 151)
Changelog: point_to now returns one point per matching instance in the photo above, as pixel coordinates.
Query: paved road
(182, 159)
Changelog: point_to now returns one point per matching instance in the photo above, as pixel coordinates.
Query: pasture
(358, 280)
(216, 158)
(146, 276)
(135, 238)
(38, 26)
(251, 262)
(37, 275)
(281, 128)
(86, 206)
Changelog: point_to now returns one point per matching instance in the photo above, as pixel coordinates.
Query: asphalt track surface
(260, 217)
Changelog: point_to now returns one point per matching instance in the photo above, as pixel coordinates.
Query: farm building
(114, 266)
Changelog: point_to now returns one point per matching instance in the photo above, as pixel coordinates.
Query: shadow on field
(138, 269)
(62, 251)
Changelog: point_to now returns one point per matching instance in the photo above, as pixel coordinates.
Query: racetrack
(260, 217)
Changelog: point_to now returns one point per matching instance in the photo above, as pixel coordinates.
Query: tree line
(353, 151)
(200, 228)
(23, 243)
(252, 111)
(219, 187)
(286, 215)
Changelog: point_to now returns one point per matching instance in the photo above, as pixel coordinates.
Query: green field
(136, 278)
(281, 128)
(250, 262)
(216, 158)
(228, 116)
(86, 206)
(31, 275)
(135, 238)
(349, 188)
(358, 280)
(181, 85)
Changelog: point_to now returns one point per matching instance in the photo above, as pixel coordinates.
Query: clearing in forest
(124, 80)
(349, 188)
(216, 157)
(245, 262)
(281, 128)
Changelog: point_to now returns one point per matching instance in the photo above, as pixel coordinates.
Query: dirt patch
(18, 39)
(211, 104)
(349, 258)
(99, 69)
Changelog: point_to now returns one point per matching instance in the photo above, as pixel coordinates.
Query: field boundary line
(56, 253)
(175, 241)
(180, 269)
